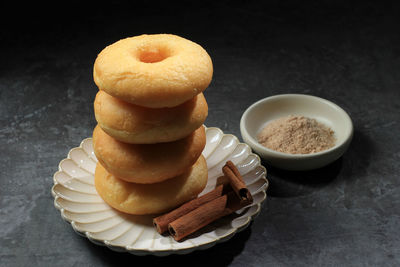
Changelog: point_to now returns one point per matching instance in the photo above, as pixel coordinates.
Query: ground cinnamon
(296, 135)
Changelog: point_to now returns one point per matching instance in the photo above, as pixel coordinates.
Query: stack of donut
(150, 111)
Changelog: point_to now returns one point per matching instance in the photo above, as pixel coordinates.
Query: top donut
(155, 71)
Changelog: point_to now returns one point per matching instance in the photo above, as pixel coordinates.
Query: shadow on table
(221, 254)
(296, 183)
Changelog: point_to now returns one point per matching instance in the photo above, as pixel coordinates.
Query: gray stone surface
(346, 214)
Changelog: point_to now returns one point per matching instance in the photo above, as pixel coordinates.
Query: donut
(148, 163)
(155, 71)
(151, 198)
(139, 125)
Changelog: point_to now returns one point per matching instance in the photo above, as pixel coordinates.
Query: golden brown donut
(148, 163)
(156, 71)
(139, 125)
(151, 198)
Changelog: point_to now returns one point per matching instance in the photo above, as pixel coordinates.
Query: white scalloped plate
(76, 197)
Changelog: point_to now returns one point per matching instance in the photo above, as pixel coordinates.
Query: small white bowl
(268, 109)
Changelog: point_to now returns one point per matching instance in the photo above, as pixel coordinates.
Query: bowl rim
(254, 143)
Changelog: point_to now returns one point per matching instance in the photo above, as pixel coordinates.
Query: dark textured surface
(346, 214)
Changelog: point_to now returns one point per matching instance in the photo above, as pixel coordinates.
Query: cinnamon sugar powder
(296, 135)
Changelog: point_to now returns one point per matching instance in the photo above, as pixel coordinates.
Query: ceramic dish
(76, 198)
(268, 109)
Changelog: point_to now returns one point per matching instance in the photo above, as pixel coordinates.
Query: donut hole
(153, 55)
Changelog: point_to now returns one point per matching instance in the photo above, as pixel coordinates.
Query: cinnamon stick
(206, 214)
(236, 181)
(234, 169)
(161, 222)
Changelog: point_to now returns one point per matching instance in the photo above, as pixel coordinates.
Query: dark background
(346, 214)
